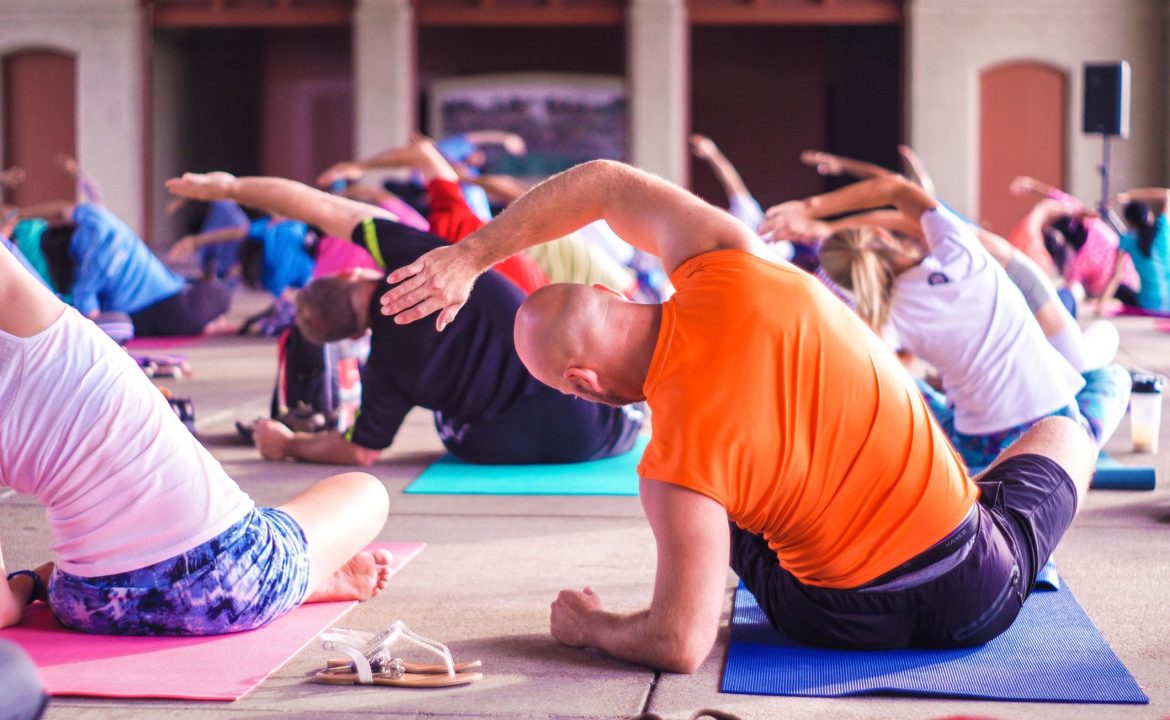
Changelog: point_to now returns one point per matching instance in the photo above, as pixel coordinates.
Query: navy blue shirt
(470, 371)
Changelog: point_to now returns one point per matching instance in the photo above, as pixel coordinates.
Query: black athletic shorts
(1026, 503)
(186, 312)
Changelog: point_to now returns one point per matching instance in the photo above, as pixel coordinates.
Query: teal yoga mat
(1052, 653)
(612, 476)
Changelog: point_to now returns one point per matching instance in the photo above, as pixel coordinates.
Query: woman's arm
(916, 169)
(909, 199)
(830, 164)
(892, 220)
(186, 246)
(1157, 198)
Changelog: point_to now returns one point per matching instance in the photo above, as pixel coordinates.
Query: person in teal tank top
(1148, 244)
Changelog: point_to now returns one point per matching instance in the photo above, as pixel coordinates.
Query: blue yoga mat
(612, 476)
(1112, 475)
(1051, 653)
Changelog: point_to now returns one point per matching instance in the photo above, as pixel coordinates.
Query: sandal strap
(375, 649)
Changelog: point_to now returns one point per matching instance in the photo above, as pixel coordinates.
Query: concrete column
(105, 36)
(384, 74)
(657, 51)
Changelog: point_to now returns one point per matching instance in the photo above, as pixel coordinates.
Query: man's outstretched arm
(337, 216)
(677, 631)
(648, 212)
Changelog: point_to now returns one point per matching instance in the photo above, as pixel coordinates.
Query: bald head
(552, 327)
(587, 341)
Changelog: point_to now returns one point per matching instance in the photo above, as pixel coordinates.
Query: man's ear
(584, 377)
(607, 289)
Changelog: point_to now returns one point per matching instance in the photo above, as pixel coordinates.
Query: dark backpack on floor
(307, 397)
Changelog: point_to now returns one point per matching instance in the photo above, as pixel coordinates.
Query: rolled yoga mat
(1052, 653)
(214, 667)
(1112, 475)
(617, 475)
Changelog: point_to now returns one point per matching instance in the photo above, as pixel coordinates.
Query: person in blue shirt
(104, 266)
(215, 231)
(1148, 244)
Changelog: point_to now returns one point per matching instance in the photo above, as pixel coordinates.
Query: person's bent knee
(22, 694)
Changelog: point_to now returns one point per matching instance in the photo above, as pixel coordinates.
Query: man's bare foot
(364, 576)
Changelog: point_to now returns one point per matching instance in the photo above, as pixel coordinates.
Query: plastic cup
(1145, 412)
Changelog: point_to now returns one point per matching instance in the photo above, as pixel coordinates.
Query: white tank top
(83, 430)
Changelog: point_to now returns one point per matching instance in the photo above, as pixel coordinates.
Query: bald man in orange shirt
(775, 408)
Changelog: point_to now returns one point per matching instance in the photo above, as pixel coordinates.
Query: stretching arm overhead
(909, 200)
(337, 216)
(420, 154)
(916, 169)
(1157, 198)
(648, 212)
(830, 164)
(705, 148)
(892, 220)
(185, 246)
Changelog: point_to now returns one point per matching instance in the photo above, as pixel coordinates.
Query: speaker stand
(1103, 208)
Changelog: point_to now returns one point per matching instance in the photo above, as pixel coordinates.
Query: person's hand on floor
(203, 186)
(571, 615)
(271, 438)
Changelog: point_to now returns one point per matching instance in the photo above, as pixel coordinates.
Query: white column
(657, 71)
(384, 74)
(106, 38)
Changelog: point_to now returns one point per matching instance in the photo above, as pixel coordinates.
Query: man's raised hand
(203, 186)
(439, 280)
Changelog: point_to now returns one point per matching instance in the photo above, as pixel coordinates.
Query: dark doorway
(766, 93)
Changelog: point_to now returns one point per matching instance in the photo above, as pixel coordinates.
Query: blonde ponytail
(858, 260)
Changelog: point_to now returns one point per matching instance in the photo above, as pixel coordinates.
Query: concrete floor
(494, 564)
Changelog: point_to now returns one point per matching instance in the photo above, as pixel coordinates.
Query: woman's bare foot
(364, 576)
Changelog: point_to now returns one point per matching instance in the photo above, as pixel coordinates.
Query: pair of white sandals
(370, 660)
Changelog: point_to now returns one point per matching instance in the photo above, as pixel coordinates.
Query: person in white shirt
(952, 304)
(150, 535)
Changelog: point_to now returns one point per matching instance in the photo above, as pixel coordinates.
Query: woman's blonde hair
(858, 260)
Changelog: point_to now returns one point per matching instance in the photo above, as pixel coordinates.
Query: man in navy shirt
(488, 408)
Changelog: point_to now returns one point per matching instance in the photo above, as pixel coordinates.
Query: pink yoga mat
(220, 667)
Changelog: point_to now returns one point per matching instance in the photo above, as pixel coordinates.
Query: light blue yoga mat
(612, 476)
(1052, 653)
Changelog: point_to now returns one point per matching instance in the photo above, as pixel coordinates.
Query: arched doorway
(40, 122)
(1022, 130)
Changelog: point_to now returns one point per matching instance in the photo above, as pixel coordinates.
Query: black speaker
(1106, 108)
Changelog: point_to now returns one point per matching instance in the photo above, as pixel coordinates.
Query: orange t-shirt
(771, 397)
